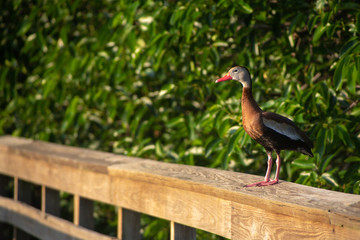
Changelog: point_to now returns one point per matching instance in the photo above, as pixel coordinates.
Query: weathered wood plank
(198, 210)
(182, 232)
(209, 199)
(44, 226)
(82, 158)
(286, 198)
(254, 223)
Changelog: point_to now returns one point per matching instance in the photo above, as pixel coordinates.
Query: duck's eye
(235, 70)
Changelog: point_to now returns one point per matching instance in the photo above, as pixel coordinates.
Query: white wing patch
(282, 128)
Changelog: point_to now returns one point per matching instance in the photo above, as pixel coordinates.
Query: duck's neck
(248, 103)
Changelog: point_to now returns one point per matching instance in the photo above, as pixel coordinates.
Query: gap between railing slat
(182, 232)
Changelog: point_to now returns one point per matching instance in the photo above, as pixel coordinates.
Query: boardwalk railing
(189, 197)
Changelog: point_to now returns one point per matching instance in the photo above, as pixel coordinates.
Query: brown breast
(251, 115)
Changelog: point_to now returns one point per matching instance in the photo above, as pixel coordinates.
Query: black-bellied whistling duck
(274, 132)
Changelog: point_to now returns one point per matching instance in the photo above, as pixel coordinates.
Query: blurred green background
(137, 78)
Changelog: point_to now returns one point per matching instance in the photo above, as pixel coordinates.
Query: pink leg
(276, 180)
(267, 176)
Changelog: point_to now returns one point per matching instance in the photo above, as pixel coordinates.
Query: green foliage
(137, 78)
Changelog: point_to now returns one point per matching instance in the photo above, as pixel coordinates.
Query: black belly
(274, 141)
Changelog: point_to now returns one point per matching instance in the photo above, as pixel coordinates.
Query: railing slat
(182, 232)
(83, 212)
(22, 191)
(128, 224)
(50, 201)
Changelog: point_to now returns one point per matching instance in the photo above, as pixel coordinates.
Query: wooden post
(182, 232)
(128, 224)
(50, 201)
(83, 212)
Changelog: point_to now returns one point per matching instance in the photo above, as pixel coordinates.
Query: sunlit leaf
(303, 164)
(319, 32)
(330, 179)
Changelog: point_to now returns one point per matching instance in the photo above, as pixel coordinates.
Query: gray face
(241, 74)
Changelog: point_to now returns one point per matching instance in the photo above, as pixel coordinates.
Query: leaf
(313, 20)
(243, 6)
(188, 30)
(352, 76)
(350, 5)
(302, 179)
(319, 32)
(190, 124)
(158, 149)
(350, 45)
(49, 87)
(210, 147)
(352, 159)
(344, 135)
(303, 164)
(64, 35)
(233, 140)
(330, 179)
(224, 126)
(145, 150)
(321, 142)
(117, 19)
(174, 122)
(320, 4)
(225, 161)
(325, 163)
(166, 89)
(356, 188)
(70, 114)
(338, 73)
(233, 130)
(295, 22)
(24, 28)
(325, 18)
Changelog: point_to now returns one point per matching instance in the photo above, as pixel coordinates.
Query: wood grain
(208, 199)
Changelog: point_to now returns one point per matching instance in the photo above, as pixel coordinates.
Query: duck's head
(240, 74)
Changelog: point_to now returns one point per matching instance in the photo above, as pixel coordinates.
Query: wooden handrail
(201, 198)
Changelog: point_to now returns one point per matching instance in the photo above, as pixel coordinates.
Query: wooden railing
(189, 197)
